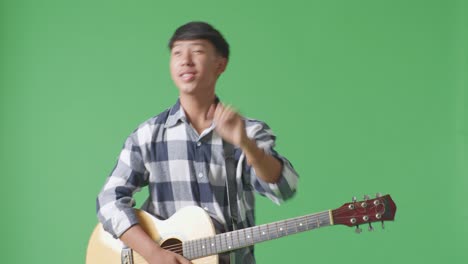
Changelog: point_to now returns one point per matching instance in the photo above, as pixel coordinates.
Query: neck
(196, 109)
(240, 238)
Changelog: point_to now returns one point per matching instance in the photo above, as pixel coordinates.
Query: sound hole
(173, 244)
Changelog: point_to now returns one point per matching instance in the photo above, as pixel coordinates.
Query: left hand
(229, 124)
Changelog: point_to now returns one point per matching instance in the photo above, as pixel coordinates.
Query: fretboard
(229, 241)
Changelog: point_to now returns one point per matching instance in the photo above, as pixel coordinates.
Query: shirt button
(198, 144)
(200, 175)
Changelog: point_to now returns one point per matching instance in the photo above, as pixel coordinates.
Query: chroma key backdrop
(364, 96)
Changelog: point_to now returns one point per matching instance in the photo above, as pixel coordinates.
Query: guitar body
(187, 224)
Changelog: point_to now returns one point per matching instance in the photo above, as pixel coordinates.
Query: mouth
(187, 76)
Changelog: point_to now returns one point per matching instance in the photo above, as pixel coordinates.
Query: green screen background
(364, 96)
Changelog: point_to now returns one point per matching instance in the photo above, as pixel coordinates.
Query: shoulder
(150, 128)
(158, 120)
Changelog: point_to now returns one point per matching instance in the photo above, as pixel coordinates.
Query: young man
(179, 154)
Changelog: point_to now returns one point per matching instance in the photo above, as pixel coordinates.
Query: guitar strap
(231, 186)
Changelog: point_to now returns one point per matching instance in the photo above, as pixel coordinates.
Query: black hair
(201, 30)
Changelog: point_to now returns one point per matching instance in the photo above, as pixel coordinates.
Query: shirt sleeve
(115, 201)
(285, 188)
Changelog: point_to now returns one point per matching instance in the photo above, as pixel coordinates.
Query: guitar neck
(229, 241)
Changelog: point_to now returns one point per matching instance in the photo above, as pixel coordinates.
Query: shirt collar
(177, 113)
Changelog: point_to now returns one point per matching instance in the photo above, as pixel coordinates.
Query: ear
(222, 64)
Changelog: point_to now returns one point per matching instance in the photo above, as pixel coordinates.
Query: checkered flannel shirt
(182, 169)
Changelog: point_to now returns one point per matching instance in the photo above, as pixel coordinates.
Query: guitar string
(288, 224)
(177, 248)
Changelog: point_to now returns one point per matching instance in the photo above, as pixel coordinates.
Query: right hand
(162, 256)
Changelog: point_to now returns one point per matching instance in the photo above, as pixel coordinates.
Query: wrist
(245, 143)
(156, 255)
(253, 153)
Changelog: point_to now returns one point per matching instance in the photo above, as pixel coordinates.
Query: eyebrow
(190, 44)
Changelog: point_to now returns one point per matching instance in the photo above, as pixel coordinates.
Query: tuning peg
(370, 227)
(366, 197)
(378, 195)
(383, 226)
(354, 199)
(358, 230)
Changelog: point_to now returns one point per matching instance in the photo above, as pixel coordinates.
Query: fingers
(218, 111)
(211, 112)
(224, 114)
(183, 260)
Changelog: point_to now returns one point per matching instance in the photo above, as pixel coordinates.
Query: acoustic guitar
(190, 232)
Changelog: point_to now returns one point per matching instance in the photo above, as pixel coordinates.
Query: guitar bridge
(127, 255)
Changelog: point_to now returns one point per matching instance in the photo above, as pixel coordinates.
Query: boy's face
(195, 66)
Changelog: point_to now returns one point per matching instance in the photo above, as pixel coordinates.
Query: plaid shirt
(183, 168)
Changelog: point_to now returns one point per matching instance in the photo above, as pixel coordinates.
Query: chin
(187, 88)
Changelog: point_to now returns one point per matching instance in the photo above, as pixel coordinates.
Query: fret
(307, 222)
(219, 246)
(256, 234)
(235, 239)
(249, 236)
(209, 251)
(291, 227)
(273, 230)
(206, 244)
(191, 251)
(313, 222)
(228, 241)
(197, 247)
(223, 242)
(281, 228)
(213, 245)
(301, 225)
(246, 239)
(264, 232)
(185, 250)
(203, 246)
(241, 236)
(194, 247)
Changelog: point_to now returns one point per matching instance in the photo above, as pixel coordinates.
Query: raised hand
(229, 124)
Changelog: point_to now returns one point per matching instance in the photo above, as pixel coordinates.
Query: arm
(115, 205)
(272, 174)
(137, 239)
(267, 167)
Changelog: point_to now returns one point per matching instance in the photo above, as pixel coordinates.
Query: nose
(186, 59)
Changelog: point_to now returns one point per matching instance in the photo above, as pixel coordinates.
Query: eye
(198, 51)
(176, 52)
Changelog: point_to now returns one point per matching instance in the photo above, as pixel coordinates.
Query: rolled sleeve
(115, 201)
(282, 190)
(286, 186)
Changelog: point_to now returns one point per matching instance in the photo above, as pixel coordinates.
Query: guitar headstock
(367, 211)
